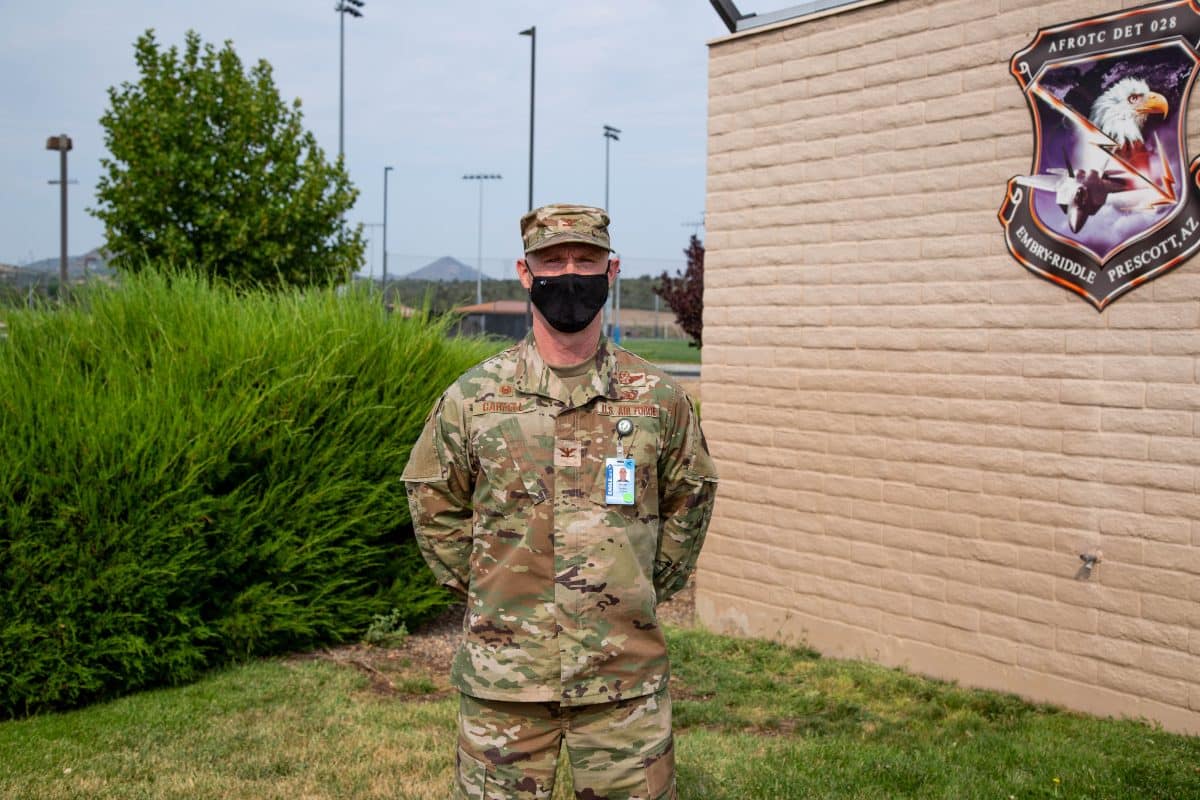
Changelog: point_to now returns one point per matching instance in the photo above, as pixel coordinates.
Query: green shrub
(191, 475)
(387, 630)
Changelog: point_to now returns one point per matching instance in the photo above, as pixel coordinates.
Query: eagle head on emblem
(1121, 114)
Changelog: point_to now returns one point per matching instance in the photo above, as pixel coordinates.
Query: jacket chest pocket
(628, 534)
(513, 451)
(642, 445)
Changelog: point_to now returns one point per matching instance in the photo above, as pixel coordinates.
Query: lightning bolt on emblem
(1105, 143)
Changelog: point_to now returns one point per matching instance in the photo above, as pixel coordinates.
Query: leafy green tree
(210, 170)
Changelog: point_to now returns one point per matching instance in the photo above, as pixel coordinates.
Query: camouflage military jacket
(507, 490)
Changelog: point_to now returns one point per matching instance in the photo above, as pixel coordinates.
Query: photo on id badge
(618, 481)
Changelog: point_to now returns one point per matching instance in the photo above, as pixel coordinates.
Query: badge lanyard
(619, 472)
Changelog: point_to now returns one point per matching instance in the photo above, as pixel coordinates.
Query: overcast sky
(434, 89)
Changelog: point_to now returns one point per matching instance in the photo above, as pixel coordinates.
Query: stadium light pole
(611, 135)
(531, 32)
(386, 170)
(481, 178)
(354, 9)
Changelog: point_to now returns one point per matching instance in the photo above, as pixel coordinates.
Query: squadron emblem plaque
(1111, 201)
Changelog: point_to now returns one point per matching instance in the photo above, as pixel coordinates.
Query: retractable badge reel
(619, 472)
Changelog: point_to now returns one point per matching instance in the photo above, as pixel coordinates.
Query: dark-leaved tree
(211, 170)
(684, 293)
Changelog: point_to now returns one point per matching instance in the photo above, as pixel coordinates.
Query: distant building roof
(401, 309)
(494, 307)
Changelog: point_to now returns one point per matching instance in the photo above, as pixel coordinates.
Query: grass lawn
(664, 351)
(753, 720)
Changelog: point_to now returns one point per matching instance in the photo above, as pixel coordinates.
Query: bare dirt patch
(419, 669)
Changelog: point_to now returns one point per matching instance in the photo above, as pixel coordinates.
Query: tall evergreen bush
(190, 475)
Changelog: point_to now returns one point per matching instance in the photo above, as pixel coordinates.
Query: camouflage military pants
(618, 751)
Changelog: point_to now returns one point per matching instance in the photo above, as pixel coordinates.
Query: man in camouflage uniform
(518, 504)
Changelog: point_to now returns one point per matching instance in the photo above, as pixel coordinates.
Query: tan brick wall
(916, 436)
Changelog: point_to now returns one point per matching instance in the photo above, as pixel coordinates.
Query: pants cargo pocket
(660, 774)
(471, 776)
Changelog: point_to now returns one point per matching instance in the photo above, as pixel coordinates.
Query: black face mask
(569, 302)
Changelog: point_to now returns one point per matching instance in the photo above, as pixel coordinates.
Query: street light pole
(531, 32)
(386, 170)
(62, 143)
(479, 254)
(354, 9)
(611, 135)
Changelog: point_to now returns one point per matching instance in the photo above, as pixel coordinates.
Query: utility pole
(62, 143)
(370, 226)
(695, 225)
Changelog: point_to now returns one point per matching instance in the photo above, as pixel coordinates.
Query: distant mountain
(93, 260)
(444, 269)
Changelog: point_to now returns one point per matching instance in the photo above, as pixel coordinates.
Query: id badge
(618, 481)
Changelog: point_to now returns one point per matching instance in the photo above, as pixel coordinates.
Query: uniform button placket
(563, 483)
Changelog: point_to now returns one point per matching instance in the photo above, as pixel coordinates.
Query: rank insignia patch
(1111, 201)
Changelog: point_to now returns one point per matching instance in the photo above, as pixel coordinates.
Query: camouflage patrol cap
(561, 223)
